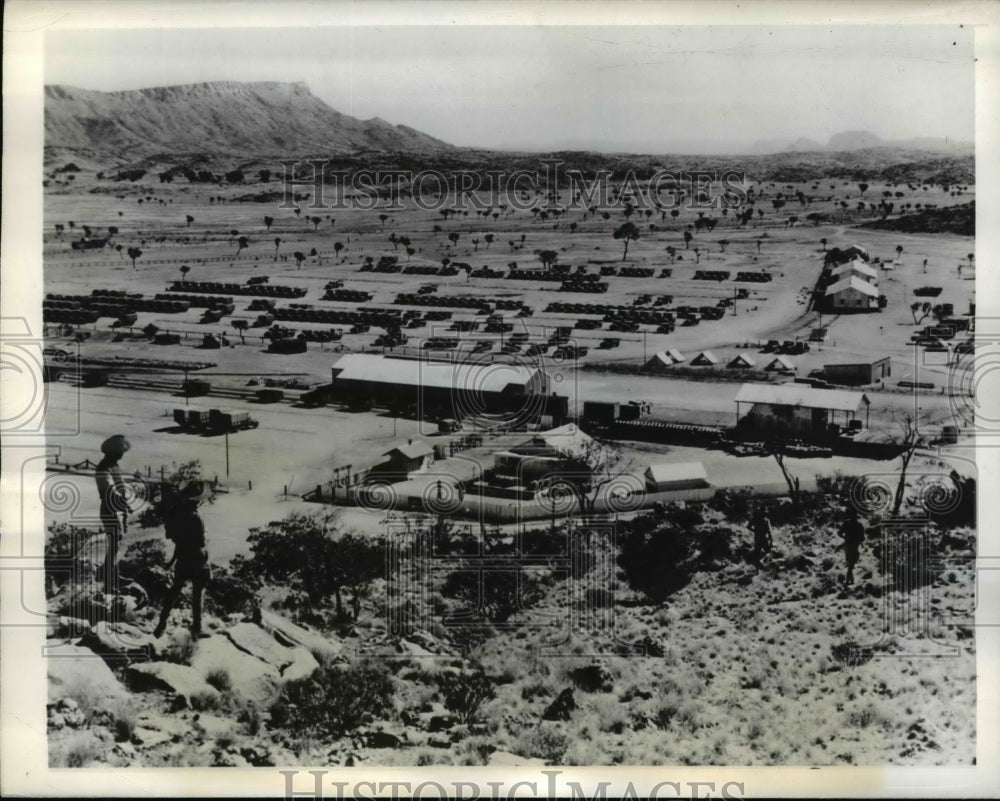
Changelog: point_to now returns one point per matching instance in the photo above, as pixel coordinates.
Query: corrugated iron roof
(413, 450)
(858, 266)
(474, 377)
(802, 395)
(666, 472)
(567, 440)
(852, 282)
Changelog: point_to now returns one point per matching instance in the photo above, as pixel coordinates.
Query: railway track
(174, 388)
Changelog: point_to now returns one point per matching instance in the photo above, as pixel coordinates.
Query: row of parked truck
(213, 421)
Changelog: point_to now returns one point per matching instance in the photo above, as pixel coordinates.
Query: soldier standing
(853, 532)
(761, 527)
(183, 525)
(114, 506)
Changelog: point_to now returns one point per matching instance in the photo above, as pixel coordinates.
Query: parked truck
(222, 421)
(195, 387)
(213, 421)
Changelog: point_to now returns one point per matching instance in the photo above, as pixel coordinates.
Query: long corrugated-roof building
(797, 408)
(450, 389)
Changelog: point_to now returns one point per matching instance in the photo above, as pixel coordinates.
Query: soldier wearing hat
(183, 525)
(114, 505)
(853, 532)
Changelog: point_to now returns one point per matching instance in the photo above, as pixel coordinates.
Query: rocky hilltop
(262, 118)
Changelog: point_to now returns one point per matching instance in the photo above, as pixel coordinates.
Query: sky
(694, 89)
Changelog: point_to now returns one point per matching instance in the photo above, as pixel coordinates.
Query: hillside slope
(220, 117)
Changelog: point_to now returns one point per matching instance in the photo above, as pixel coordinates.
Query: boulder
(214, 727)
(74, 668)
(66, 628)
(184, 681)
(291, 634)
(118, 643)
(259, 643)
(506, 759)
(249, 676)
(302, 665)
(412, 649)
(384, 739)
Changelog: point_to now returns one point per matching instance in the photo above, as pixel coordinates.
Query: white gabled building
(851, 294)
(859, 269)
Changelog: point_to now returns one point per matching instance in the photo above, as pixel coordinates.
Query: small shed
(405, 459)
(667, 476)
(780, 364)
(857, 373)
(742, 361)
(705, 359)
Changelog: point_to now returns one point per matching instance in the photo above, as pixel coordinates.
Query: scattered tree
(548, 258)
(627, 233)
(240, 327)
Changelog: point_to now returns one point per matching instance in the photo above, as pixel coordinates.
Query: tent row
(669, 358)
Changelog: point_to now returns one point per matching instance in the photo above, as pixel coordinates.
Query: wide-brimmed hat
(116, 444)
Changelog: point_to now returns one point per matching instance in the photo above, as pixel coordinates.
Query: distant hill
(849, 141)
(244, 119)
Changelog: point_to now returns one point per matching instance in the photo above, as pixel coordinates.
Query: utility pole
(227, 453)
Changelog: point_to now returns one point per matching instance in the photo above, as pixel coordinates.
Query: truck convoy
(213, 421)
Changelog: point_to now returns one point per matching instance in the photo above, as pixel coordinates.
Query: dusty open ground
(755, 667)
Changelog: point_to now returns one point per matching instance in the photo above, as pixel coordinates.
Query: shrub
(311, 557)
(219, 679)
(180, 649)
(850, 653)
(146, 562)
(716, 544)
(735, 504)
(249, 716)
(81, 751)
(124, 723)
(657, 563)
(234, 588)
(336, 700)
(464, 693)
(66, 555)
(544, 742)
(503, 592)
(204, 701)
